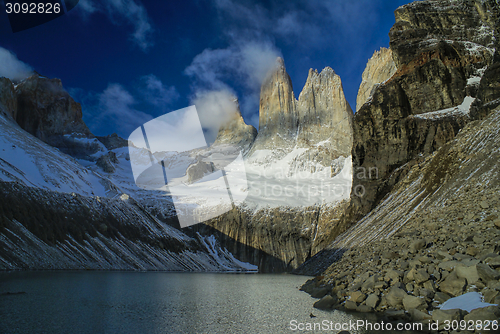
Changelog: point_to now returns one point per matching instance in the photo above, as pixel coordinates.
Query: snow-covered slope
(57, 214)
(28, 160)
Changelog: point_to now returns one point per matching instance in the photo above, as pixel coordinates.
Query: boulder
(395, 297)
(469, 273)
(440, 316)
(350, 305)
(326, 303)
(441, 297)
(319, 292)
(453, 285)
(357, 296)
(412, 302)
(372, 300)
(417, 245)
(485, 313)
(418, 316)
(420, 276)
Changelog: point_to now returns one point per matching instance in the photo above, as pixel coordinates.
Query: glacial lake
(158, 302)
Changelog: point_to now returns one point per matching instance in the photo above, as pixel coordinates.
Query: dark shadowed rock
(113, 141)
(8, 99)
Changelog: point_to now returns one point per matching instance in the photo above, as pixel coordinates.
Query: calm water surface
(155, 302)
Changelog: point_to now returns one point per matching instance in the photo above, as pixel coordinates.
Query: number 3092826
(33, 8)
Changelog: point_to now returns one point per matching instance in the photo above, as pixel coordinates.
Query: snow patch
(467, 302)
(461, 110)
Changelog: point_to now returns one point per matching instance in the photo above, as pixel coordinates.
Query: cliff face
(48, 112)
(278, 117)
(379, 68)
(324, 114)
(320, 115)
(441, 50)
(298, 173)
(8, 98)
(45, 109)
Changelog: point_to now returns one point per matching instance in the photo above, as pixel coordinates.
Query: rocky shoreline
(408, 276)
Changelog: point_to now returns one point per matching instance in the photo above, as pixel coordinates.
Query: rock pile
(426, 263)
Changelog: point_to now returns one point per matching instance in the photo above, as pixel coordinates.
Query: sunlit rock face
(320, 117)
(380, 67)
(298, 171)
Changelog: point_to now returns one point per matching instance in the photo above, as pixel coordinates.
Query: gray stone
(421, 276)
(426, 293)
(450, 244)
(370, 283)
(469, 273)
(326, 303)
(350, 305)
(357, 296)
(449, 265)
(497, 223)
(453, 285)
(417, 315)
(441, 316)
(410, 302)
(441, 297)
(484, 205)
(372, 300)
(393, 275)
(485, 313)
(486, 273)
(364, 309)
(490, 295)
(417, 245)
(395, 297)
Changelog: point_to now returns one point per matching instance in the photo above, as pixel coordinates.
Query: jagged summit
(320, 115)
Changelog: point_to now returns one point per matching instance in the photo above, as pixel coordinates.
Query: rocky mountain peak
(324, 115)
(379, 68)
(320, 115)
(45, 109)
(236, 132)
(277, 113)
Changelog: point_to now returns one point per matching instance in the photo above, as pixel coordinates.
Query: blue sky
(128, 61)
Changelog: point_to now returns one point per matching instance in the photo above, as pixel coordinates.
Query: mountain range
(381, 204)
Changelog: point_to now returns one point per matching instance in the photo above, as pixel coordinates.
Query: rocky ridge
(321, 117)
(441, 50)
(429, 228)
(436, 237)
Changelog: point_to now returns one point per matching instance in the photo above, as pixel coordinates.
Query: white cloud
(119, 109)
(156, 93)
(214, 109)
(116, 105)
(124, 10)
(248, 63)
(13, 68)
